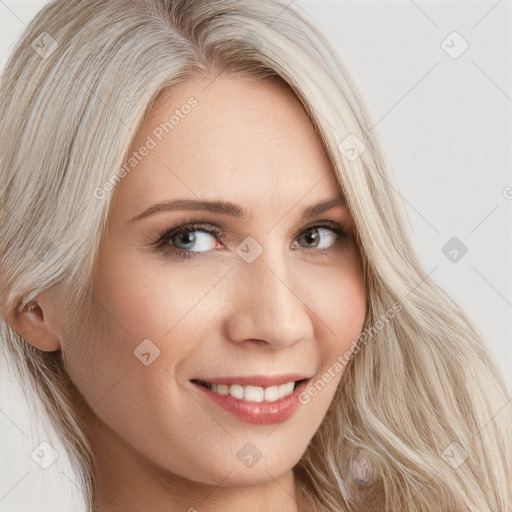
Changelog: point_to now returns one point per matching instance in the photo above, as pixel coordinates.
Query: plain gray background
(444, 122)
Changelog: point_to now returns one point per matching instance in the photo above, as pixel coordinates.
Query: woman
(207, 280)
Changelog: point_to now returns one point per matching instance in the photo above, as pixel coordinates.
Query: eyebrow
(229, 208)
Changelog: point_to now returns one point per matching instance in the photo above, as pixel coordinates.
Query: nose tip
(267, 310)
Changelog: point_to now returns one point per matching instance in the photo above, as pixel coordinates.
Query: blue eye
(184, 241)
(193, 239)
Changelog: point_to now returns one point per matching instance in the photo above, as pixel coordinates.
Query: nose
(268, 304)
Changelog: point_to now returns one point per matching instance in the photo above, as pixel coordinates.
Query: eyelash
(162, 243)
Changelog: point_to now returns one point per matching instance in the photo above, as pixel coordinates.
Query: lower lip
(258, 413)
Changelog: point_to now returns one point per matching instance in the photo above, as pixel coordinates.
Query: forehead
(234, 138)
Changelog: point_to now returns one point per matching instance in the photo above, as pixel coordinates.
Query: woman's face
(254, 294)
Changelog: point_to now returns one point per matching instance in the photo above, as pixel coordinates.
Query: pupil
(312, 236)
(186, 238)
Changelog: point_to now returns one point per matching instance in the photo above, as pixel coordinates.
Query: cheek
(346, 311)
(338, 298)
(143, 313)
(149, 299)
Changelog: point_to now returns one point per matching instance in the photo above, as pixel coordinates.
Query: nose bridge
(267, 306)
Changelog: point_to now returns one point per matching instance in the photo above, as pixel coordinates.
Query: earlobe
(34, 326)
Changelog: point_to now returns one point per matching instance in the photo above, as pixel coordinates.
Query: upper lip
(263, 381)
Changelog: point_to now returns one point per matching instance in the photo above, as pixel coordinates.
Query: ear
(33, 323)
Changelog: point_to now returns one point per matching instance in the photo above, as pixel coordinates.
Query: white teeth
(254, 393)
(236, 390)
(272, 394)
(222, 389)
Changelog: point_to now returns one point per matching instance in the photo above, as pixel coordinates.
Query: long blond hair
(421, 403)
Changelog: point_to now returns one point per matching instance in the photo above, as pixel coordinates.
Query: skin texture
(160, 445)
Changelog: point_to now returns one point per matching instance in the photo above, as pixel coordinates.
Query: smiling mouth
(252, 393)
